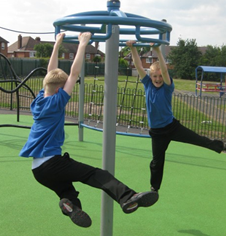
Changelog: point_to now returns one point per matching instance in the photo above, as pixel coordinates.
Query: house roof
(167, 51)
(28, 44)
(3, 40)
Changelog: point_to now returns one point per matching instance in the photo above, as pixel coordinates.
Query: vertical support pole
(81, 102)
(225, 84)
(163, 46)
(109, 125)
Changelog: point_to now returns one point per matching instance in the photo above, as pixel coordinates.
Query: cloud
(203, 20)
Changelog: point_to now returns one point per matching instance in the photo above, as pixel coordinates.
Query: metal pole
(163, 46)
(109, 125)
(81, 102)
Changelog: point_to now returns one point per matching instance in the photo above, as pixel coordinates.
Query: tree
(126, 50)
(185, 58)
(45, 49)
(123, 65)
(214, 56)
(97, 58)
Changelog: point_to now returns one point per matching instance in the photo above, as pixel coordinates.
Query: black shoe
(153, 190)
(224, 149)
(78, 216)
(144, 199)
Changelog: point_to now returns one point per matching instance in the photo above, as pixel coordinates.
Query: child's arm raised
(163, 67)
(53, 61)
(136, 59)
(77, 63)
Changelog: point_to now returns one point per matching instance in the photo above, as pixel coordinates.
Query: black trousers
(174, 132)
(59, 173)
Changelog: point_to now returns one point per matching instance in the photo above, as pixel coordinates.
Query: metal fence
(205, 115)
(23, 66)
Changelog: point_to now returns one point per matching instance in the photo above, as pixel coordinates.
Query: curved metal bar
(122, 43)
(10, 66)
(15, 126)
(90, 29)
(117, 132)
(142, 26)
(163, 26)
(28, 127)
(23, 82)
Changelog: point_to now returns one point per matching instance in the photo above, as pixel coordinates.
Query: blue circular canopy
(100, 23)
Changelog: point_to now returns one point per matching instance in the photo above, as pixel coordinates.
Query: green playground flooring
(192, 196)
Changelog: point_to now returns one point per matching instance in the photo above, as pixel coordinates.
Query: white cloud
(202, 20)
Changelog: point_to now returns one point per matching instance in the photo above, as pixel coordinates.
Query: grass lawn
(192, 196)
(180, 84)
(185, 85)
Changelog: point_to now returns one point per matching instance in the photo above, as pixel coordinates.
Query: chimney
(96, 45)
(19, 41)
(38, 39)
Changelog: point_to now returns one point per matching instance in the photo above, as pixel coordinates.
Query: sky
(202, 20)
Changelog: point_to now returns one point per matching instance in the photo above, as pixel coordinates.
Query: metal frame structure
(108, 26)
(210, 87)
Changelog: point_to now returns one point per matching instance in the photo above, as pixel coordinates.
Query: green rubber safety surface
(192, 196)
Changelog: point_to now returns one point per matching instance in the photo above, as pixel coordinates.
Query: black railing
(205, 115)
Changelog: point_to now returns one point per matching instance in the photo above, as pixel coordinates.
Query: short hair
(54, 79)
(154, 67)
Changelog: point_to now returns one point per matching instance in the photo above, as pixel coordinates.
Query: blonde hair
(54, 79)
(154, 67)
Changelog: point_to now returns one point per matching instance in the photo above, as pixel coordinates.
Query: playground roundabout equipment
(100, 24)
(108, 26)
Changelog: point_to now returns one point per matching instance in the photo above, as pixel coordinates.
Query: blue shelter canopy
(214, 69)
(210, 87)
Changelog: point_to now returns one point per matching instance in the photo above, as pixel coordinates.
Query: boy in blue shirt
(164, 128)
(56, 171)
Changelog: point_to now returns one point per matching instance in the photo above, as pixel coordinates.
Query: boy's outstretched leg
(76, 214)
(144, 199)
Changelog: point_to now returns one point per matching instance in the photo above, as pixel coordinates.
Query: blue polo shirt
(47, 132)
(158, 103)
